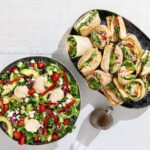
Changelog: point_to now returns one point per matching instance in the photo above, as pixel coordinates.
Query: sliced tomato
(31, 91)
(21, 123)
(42, 108)
(41, 64)
(54, 136)
(5, 107)
(1, 82)
(17, 134)
(55, 76)
(66, 121)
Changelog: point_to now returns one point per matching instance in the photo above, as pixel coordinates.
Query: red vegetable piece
(66, 121)
(48, 89)
(55, 76)
(21, 123)
(52, 104)
(41, 64)
(45, 124)
(5, 107)
(54, 136)
(13, 69)
(22, 140)
(17, 134)
(36, 138)
(51, 113)
(67, 106)
(66, 81)
(42, 108)
(1, 82)
(14, 80)
(31, 91)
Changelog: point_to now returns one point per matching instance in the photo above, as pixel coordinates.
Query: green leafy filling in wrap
(88, 20)
(113, 88)
(72, 46)
(95, 38)
(93, 83)
(131, 66)
(117, 30)
(88, 61)
(127, 53)
(111, 63)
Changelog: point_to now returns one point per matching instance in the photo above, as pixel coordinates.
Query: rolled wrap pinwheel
(135, 89)
(131, 48)
(112, 94)
(116, 27)
(98, 78)
(112, 58)
(143, 64)
(89, 61)
(100, 36)
(126, 72)
(77, 45)
(87, 23)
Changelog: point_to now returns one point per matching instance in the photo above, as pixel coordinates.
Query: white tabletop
(28, 27)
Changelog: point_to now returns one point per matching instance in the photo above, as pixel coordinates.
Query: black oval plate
(145, 43)
(41, 58)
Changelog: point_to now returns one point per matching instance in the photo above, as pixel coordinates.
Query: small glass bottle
(102, 118)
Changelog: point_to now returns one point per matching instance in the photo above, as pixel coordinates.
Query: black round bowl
(41, 58)
(145, 43)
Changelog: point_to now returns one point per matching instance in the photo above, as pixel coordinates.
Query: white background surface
(29, 26)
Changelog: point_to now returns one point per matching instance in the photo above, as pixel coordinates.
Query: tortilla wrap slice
(115, 59)
(76, 45)
(90, 60)
(98, 78)
(106, 57)
(116, 27)
(135, 89)
(87, 23)
(120, 88)
(100, 36)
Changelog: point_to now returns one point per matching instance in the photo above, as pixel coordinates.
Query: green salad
(39, 101)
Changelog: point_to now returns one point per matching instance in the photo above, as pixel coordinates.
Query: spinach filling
(73, 46)
(93, 83)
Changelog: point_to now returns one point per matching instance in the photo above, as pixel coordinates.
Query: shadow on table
(87, 133)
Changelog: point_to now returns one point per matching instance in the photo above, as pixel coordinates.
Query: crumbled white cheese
(60, 105)
(26, 99)
(32, 61)
(63, 104)
(35, 94)
(16, 71)
(33, 79)
(10, 113)
(60, 81)
(31, 114)
(22, 80)
(68, 101)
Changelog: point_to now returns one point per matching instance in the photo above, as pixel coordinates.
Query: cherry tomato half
(31, 91)
(41, 64)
